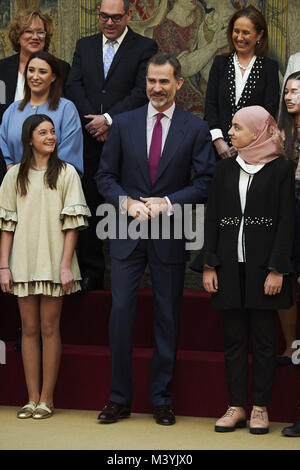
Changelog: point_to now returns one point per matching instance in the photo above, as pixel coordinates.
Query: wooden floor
(80, 430)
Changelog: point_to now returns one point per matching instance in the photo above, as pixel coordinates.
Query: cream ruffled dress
(39, 221)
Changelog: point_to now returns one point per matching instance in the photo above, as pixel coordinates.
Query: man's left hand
(157, 205)
(97, 126)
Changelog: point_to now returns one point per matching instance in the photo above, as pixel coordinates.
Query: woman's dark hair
(259, 23)
(54, 163)
(55, 87)
(286, 121)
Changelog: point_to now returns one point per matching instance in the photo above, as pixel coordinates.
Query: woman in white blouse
(245, 77)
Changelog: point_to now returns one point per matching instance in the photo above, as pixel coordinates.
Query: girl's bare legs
(50, 310)
(30, 318)
(288, 320)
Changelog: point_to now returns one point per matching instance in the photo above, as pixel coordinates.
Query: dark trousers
(167, 286)
(240, 325)
(90, 247)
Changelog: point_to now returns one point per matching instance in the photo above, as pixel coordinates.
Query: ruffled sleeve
(8, 201)
(75, 212)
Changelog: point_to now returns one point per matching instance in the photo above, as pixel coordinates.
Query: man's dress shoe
(283, 360)
(292, 431)
(90, 283)
(164, 415)
(112, 412)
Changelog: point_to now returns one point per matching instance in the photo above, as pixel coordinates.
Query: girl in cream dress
(42, 206)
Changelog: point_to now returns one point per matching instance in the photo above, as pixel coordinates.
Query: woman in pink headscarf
(247, 258)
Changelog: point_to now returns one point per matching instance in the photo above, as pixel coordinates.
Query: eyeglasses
(30, 32)
(114, 18)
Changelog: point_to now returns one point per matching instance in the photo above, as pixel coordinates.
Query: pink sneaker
(234, 418)
(259, 422)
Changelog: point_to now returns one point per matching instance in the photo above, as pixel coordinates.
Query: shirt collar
(250, 169)
(118, 40)
(153, 112)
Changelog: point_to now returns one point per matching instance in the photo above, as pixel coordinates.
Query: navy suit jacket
(123, 88)
(123, 171)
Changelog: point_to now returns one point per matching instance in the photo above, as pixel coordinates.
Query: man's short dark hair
(126, 5)
(162, 58)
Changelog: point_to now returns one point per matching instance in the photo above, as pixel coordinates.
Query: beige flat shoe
(259, 422)
(43, 411)
(27, 410)
(234, 418)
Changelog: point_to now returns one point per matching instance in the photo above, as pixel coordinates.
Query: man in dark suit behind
(107, 77)
(144, 171)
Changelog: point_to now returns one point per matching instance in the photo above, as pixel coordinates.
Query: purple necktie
(155, 147)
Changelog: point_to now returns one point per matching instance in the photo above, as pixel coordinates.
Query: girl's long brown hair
(55, 165)
(287, 122)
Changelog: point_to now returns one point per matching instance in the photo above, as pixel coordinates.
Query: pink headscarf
(266, 146)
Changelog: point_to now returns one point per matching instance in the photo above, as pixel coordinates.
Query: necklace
(242, 66)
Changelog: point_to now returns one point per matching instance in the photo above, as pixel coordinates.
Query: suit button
(103, 91)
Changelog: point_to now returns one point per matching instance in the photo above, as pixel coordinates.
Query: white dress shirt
(19, 95)
(165, 123)
(116, 45)
(240, 82)
(246, 176)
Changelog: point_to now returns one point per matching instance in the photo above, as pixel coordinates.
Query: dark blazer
(123, 171)
(261, 89)
(269, 221)
(124, 87)
(9, 67)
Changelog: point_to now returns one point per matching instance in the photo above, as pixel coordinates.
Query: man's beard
(158, 101)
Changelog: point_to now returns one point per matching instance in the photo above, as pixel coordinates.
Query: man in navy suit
(134, 181)
(107, 77)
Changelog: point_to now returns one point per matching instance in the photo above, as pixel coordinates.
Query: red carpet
(199, 383)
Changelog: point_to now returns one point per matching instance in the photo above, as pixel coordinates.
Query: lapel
(96, 58)
(235, 185)
(252, 190)
(12, 78)
(139, 138)
(177, 131)
(254, 76)
(126, 43)
(250, 84)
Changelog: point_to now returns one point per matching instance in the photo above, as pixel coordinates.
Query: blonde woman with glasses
(30, 31)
